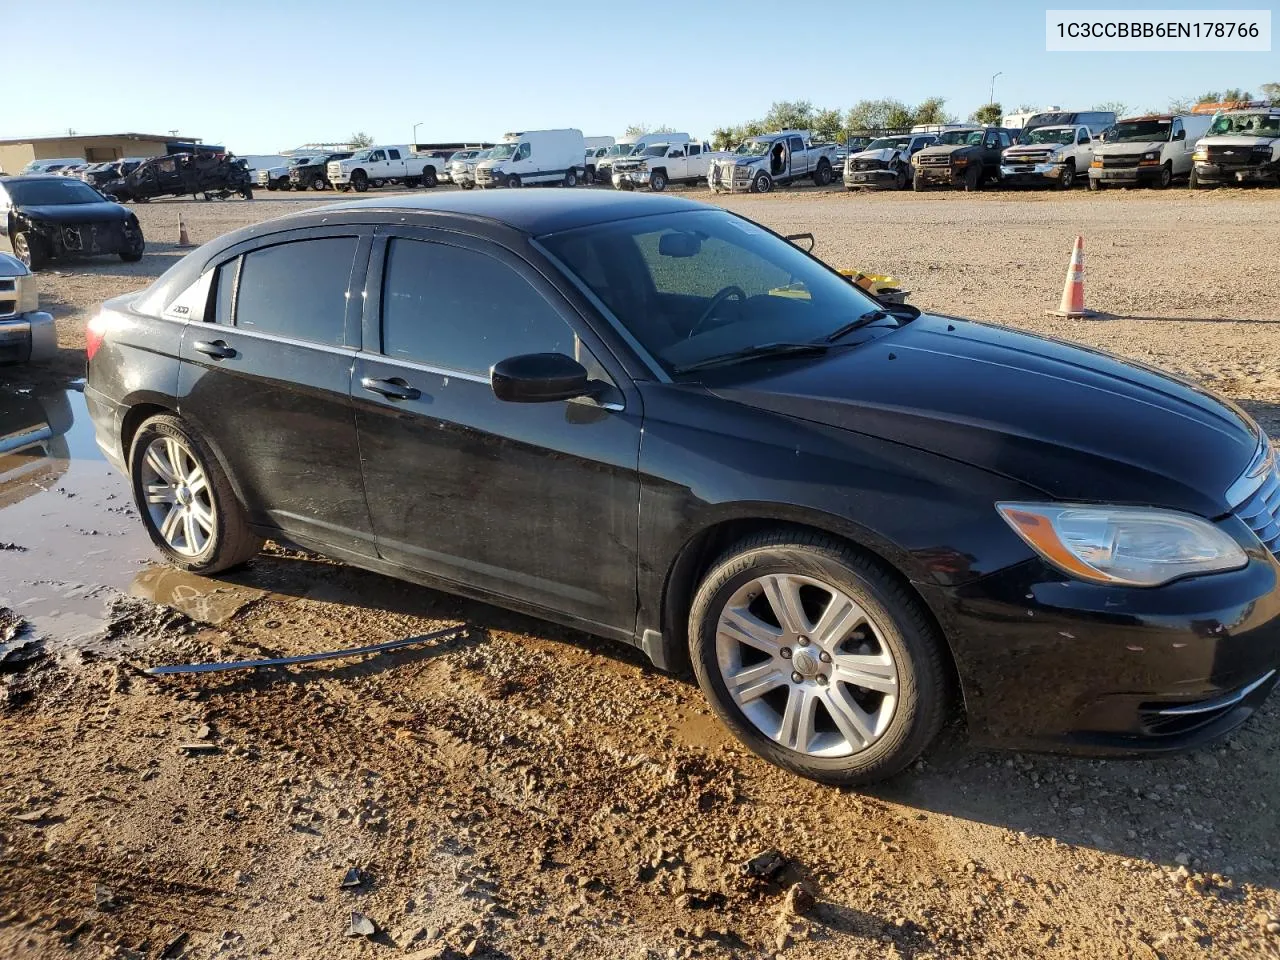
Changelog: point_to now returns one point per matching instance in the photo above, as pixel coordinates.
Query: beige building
(16, 154)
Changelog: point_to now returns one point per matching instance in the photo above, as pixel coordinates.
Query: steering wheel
(730, 291)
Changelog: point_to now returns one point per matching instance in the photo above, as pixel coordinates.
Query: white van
(1152, 150)
(534, 156)
(49, 166)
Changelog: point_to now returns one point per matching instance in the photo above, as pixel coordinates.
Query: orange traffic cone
(1072, 304)
(183, 239)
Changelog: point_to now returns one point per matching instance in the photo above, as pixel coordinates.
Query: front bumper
(1050, 663)
(1226, 173)
(1121, 176)
(943, 176)
(28, 338)
(881, 177)
(1028, 174)
(634, 178)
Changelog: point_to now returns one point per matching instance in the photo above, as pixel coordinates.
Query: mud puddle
(70, 540)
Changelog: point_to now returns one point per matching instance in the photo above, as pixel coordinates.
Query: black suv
(177, 174)
(966, 157)
(314, 175)
(662, 423)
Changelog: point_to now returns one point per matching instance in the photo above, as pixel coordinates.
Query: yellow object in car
(877, 284)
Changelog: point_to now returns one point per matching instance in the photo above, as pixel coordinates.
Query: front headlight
(1133, 546)
(28, 293)
(742, 168)
(960, 161)
(1201, 153)
(1151, 155)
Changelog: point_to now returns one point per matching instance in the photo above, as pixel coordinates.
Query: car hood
(949, 149)
(103, 212)
(886, 153)
(1130, 146)
(1235, 140)
(1077, 424)
(1023, 149)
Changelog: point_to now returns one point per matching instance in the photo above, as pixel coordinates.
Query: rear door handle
(394, 388)
(217, 349)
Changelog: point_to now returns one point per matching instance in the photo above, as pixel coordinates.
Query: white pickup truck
(663, 163)
(775, 158)
(1058, 155)
(378, 166)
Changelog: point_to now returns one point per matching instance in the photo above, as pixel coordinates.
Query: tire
(467, 185)
(379, 182)
(822, 176)
(589, 176)
(570, 178)
(31, 251)
(1068, 179)
(973, 179)
(763, 183)
(134, 254)
(902, 180)
(360, 181)
(228, 541)
(870, 735)
(429, 178)
(657, 181)
(272, 187)
(1096, 185)
(1166, 177)
(319, 183)
(513, 182)
(1194, 181)
(917, 184)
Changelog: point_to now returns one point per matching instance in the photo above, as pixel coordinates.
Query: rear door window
(393, 154)
(796, 143)
(297, 290)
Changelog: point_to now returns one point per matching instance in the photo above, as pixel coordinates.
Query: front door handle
(395, 388)
(217, 349)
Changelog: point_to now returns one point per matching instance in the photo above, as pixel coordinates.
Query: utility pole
(415, 131)
(992, 97)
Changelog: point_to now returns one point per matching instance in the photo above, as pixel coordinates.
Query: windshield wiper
(752, 353)
(871, 316)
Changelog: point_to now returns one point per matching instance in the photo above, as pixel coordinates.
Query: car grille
(867, 163)
(1262, 510)
(1031, 156)
(1110, 160)
(8, 297)
(1229, 154)
(934, 160)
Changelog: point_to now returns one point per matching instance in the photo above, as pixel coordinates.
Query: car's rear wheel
(822, 175)
(186, 502)
(571, 177)
(817, 658)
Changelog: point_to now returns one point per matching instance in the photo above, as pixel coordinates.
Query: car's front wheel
(818, 659)
(185, 499)
(31, 250)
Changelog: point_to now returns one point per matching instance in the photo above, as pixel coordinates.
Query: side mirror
(1180, 135)
(679, 245)
(538, 378)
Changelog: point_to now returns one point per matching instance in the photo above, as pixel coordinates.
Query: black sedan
(662, 423)
(48, 218)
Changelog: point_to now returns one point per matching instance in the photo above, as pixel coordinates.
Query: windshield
(887, 143)
(753, 148)
(1139, 131)
(694, 285)
(619, 150)
(1050, 135)
(362, 155)
(955, 137)
(51, 192)
(1246, 124)
(303, 161)
(503, 151)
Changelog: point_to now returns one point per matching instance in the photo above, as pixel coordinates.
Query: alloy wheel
(806, 665)
(179, 499)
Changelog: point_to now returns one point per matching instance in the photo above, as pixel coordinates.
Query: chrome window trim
(424, 367)
(277, 338)
(1254, 475)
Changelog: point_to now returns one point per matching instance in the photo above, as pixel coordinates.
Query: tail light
(93, 334)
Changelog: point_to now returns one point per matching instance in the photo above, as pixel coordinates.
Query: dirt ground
(516, 790)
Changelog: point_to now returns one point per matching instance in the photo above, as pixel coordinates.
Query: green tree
(789, 115)
(359, 140)
(931, 110)
(1182, 105)
(725, 138)
(828, 125)
(988, 113)
(638, 130)
(1271, 91)
(874, 114)
(1118, 107)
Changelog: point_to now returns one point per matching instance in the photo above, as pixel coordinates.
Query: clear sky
(267, 75)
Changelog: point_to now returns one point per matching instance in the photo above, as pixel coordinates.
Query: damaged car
(968, 157)
(49, 217)
(211, 175)
(885, 161)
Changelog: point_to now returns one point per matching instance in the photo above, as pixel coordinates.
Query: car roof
(35, 178)
(532, 211)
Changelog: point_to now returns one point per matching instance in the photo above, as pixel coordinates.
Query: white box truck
(534, 156)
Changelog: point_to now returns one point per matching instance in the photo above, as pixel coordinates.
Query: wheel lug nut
(821, 678)
(824, 657)
(796, 678)
(802, 641)
(785, 653)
